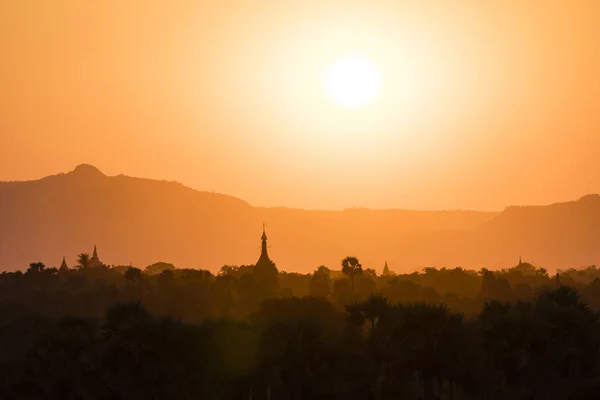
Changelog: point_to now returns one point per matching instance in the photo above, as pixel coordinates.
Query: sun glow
(353, 82)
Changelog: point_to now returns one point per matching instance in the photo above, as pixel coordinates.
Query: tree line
(162, 333)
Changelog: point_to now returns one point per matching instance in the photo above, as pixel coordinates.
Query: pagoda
(386, 269)
(264, 255)
(95, 261)
(63, 266)
(265, 271)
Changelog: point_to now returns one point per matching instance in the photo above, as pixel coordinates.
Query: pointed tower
(63, 266)
(265, 271)
(264, 256)
(386, 270)
(95, 261)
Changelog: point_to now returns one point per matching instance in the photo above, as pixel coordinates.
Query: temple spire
(386, 269)
(63, 265)
(263, 251)
(95, 261)
(265, 271)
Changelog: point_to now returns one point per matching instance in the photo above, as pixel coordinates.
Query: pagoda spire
(263, 251)
(95, 261)
(63, 265)
(265, 271)
(386, 269)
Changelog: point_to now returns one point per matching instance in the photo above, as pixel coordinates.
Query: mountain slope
(560, 235)
(141, 221)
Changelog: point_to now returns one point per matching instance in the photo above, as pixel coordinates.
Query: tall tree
(351, 267)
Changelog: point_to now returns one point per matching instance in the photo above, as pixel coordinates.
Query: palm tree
(367, 315)
(428, 337)
(351, 267)
(571, 329)
(372, 326)
(289, 352)
(83, 260)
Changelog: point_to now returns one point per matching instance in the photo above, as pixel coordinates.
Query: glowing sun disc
(353, 82)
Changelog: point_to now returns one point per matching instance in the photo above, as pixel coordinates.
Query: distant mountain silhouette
(141, 221)
(555, 236)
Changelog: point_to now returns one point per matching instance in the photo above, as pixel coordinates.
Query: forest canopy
(95, 331)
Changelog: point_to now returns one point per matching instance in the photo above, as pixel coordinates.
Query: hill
(141, 221)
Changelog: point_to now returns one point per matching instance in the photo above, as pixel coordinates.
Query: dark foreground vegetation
(256, 333)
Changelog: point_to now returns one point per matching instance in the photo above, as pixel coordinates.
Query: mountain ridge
(141, 220)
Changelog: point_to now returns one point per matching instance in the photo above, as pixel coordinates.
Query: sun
(353, 82)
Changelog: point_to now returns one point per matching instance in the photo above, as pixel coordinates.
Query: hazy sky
(483, 103)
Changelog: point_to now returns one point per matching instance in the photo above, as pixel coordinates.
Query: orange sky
(483, 103)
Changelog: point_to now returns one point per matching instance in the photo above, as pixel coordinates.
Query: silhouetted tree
(351, 267)
(133, 275)
(78, 335)
(36, 267)
(342, 291)
(157, 268)
(83, 260)
(320, 283)
(370, 273)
